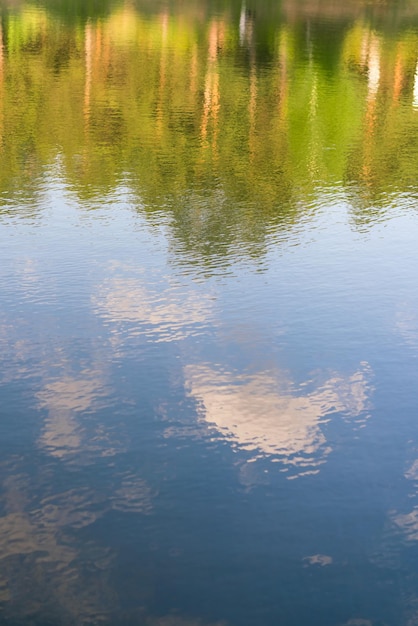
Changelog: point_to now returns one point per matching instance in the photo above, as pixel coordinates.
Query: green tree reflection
(231, 116)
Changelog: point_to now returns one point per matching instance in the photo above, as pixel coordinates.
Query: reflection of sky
(40, 535)
(69, 574)
(315, 307)
(407, 324)
(65, 400)
(171, 314)
(407, 522)
(264, 413)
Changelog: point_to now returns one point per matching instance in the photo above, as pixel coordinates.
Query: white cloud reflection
(318, 559)
(407, 522)
(407, 324)
(70, 572)
(64, 399)
(170, 314)
(40, 534)
(177, 620)
(265, 414)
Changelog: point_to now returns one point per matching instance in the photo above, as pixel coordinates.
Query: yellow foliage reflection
(175, 102)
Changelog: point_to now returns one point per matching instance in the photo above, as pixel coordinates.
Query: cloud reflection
(47, 536)
(265, 414)
(64, 399)
(176, 620)
(318, 559)
(407, 324)
(407, 522)
(37, 543)
(171, 313)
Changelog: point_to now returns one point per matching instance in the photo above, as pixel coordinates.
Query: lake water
(209, 313)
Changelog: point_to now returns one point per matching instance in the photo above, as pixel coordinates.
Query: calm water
(209, 313)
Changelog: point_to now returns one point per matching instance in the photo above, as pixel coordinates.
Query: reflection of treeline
(215, 113)
(381, 13)
(77, 10)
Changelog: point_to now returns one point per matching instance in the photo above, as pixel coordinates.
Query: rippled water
(209, 313)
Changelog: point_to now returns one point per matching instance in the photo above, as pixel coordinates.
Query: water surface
(209, 313)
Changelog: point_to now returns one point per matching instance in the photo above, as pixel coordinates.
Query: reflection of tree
(76, 11)
(211, 94)
(1, 83)
(240, 109)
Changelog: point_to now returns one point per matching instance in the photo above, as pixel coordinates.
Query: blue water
(208, 406)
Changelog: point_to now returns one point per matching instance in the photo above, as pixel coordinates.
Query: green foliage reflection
(231, 116)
